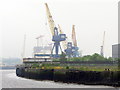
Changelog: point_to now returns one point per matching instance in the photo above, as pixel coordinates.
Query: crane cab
(60, 37)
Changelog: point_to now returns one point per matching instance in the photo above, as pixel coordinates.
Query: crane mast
(75, 49)
(102, 47)
(74, 36)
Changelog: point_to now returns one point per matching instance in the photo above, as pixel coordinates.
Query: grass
(77, 67)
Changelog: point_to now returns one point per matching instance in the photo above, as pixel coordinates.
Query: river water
(10, 80)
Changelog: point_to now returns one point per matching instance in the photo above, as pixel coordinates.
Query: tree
(110, 59)
(63, 57)
(97, 57)
(86, 58)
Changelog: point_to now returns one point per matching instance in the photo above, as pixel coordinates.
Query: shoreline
(72, 76)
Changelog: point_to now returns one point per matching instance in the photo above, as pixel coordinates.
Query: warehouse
(116, 51)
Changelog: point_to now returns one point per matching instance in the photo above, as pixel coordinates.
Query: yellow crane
(64, 43)
(56, 37)
(50, 19)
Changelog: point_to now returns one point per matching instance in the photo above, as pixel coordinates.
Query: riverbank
(110, 78)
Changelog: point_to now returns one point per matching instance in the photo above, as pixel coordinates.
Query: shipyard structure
(60, 45)
(50, 62)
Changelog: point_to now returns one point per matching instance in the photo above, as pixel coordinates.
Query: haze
(90, 17)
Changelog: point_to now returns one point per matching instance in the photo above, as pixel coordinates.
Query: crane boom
(102, 47)
(61, 32)
(50, 19)
(74, 36)
(64, 43)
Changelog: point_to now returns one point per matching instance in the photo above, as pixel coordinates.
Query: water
(10, 80)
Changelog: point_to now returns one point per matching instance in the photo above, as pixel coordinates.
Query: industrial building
(116, 51)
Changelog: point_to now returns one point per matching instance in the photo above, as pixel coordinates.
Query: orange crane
(72, 49)
(74, 36)
(75, 49)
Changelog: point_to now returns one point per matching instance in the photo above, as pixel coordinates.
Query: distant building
(116, 51)
(42, 52)
(45, 49)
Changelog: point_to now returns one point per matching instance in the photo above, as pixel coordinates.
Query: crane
(74, 48)
(102, 47)
(56, 37)
(74, 36)
(64, 43)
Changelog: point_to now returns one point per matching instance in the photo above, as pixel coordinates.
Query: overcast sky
(90, 17)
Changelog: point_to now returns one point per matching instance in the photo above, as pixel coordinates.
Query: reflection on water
(10, 80)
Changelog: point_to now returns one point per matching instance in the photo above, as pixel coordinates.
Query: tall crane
(74, 48)
(74, 36)
(56, 37)
(102, 47)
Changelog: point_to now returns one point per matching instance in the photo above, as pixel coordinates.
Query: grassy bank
(88, 67)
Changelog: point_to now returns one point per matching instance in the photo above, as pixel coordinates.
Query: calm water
(10, 80)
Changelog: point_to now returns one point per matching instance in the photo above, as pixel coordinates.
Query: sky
(28, 17)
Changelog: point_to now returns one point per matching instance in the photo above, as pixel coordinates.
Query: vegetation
(76, 67)
(63, 57)
(35, 65)
(88, 67)
(119, 63)
(94, 57)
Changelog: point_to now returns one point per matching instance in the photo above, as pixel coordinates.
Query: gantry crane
(72, 50)
(102, 47)
(56, 37)
(66, 45)
(69, 51)
(75, 47)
